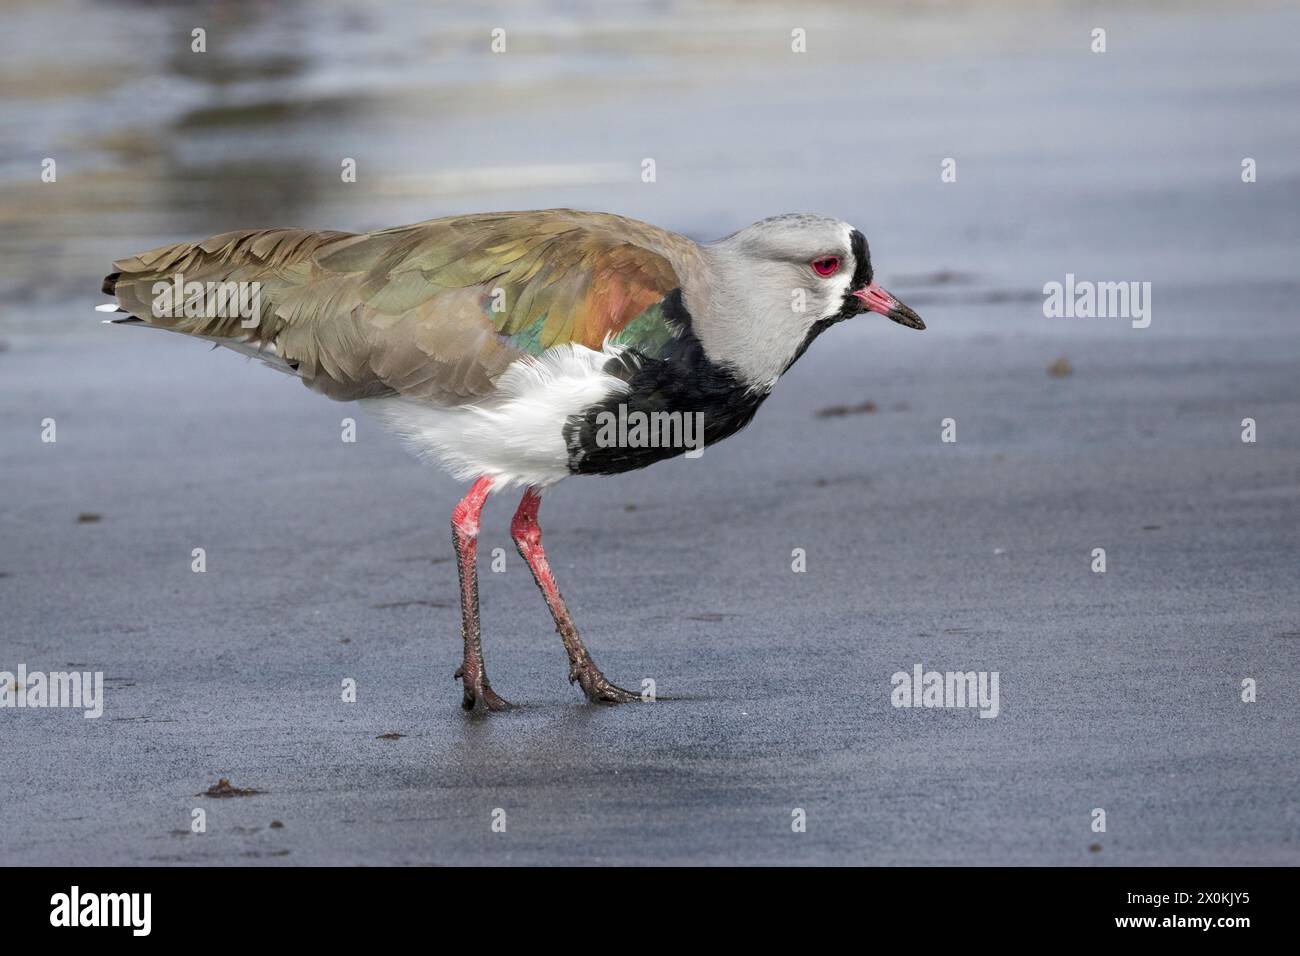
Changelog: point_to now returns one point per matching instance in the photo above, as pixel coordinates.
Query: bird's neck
(743, 319)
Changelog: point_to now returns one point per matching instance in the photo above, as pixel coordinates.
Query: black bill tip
(905, 316)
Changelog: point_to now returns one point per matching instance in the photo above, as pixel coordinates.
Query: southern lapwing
(501, 345)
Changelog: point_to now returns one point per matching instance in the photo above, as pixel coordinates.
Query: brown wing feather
(410, 310)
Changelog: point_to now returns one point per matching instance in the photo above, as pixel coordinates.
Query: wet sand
(328, 561)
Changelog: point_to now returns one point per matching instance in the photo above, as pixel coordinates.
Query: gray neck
(744, 316)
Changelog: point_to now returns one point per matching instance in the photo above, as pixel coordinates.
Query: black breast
(675, 401)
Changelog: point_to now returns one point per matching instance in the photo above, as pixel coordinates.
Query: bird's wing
(436, 310)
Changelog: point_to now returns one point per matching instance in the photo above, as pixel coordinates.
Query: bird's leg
(582, 669)
(464, 534)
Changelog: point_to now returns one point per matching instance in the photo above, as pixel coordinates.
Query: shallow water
(1123, 165)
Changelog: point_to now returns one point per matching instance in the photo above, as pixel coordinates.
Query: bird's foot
(481, 690)
(597, 688)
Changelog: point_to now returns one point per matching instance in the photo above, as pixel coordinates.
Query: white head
(766, 291)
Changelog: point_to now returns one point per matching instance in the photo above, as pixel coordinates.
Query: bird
(501, 345)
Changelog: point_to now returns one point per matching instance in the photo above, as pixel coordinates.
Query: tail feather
(264, 352)
(276, 266)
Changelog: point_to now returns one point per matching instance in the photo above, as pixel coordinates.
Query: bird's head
(773, 287)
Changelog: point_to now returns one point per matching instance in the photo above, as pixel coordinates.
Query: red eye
(827, 266)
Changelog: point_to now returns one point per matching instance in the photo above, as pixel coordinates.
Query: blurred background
(1117, 165)
(326, 559)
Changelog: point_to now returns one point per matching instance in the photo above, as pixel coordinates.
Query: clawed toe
(611, 694)
(492, 701)
(599, 690)
(481, 691)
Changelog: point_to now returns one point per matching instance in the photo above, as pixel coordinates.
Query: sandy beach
(328, 561)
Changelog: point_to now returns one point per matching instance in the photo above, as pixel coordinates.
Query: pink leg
(582, 669)
(464, 531)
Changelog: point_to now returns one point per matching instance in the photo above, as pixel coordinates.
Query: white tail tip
(106, 307)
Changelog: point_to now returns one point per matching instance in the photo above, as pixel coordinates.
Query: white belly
(515, 435)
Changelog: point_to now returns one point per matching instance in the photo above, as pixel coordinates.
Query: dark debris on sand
(222, 788)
